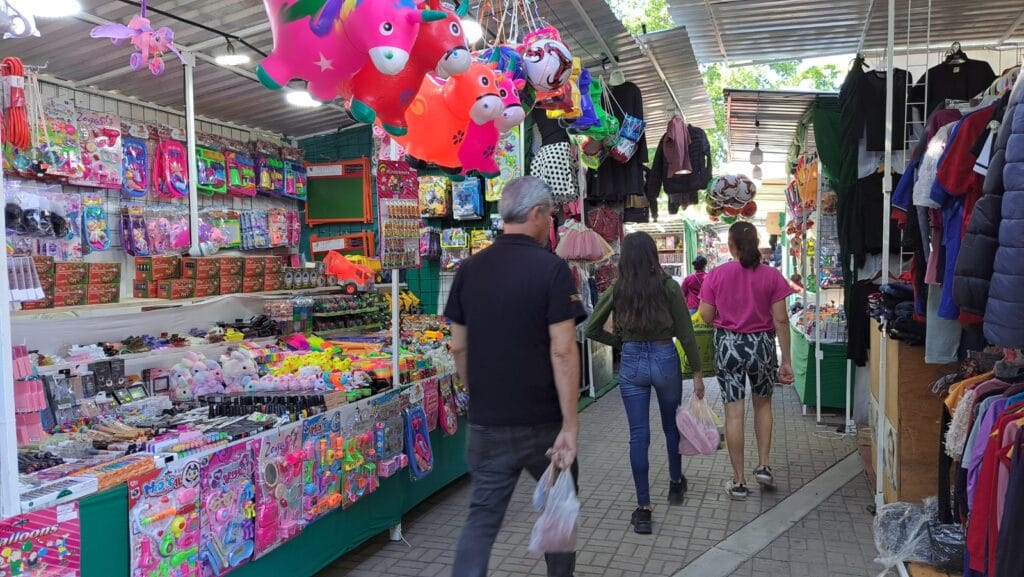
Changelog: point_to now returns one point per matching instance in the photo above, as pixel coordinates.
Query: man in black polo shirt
(514, 309)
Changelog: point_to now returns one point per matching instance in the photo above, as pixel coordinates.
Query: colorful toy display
(326, 42)
(731, 196)
(507, 157)
(94, 216)
(341, 271)
(279, 513)
(195, 375)
(359, 467)
(441, 112)
(322, 446)
(229, 510)
(435, 196)
(440, 46)
(164, 520)
(45, 543)
(295, 180)
(211, 171)
(62, 151)
(477, 153)
(150, 45)
(269, 175)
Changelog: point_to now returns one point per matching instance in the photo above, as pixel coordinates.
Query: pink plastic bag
(698, 429)
(555, 529)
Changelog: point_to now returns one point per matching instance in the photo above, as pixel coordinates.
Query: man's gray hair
(521, 195)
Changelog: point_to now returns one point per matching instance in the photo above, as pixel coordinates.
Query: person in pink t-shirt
(746, 303)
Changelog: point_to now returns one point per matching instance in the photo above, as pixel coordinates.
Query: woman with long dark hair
(746, 303)
(647, 311)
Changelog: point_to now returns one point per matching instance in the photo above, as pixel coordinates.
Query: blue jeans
(646, 366)
(496, 457)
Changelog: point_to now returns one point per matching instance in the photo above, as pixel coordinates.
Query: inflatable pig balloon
(326, 42)
(442, 111)
(441, 45)
(477, 153)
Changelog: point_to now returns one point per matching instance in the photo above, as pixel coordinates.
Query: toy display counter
(104, 518)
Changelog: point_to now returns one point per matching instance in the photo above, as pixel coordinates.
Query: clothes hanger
(955, 54)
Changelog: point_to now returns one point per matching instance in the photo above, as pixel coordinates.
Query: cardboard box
(46, 303)
(104, 272)
(44, 266)
(70, 298)
(230, 285)
(200, 268)
(145, 289)
(71, 274)
(157, 267)
(273, 265)
(102, 294)
(231, 265)
(252, 284)
(176, 289)
(254, 266)
(49, 283)
(207, 287)
(273, 282)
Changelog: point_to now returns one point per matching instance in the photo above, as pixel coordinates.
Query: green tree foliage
(636, 14)
(776, 76)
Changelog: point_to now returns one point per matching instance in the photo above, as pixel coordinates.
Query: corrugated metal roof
(771, 30)
(233, 96)
(779, 113)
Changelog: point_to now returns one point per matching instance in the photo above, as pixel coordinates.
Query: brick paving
(834, 539)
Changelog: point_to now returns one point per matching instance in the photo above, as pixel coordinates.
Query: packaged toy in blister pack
(241, 170)
(389, 425)
(454, 248)
(229, 510)
(135, 168)
(42, 543)
(359, 467)
(94, 215)
(209, 232)
(62, 151)
(435, 199)
(211, 171)
(100, 138)
(417, 442)
(269, 173)
(277, 227)
(134, 234)
(163, 514)
(430, 244)
(294, 180)
(167, 229)
(323, 449)
(279, 513)
(229, 223)
(171, 168)
(255, 234)
(294, 227)
(448, 417)
(43, 220)
(467, 199)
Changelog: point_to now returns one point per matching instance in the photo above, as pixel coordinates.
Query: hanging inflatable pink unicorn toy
(326, 42)
(150, 45)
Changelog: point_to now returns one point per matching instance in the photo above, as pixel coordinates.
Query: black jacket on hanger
(862, 102)
(614, 181)
(681, 189)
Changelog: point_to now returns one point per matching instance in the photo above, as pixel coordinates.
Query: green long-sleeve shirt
(677, 324)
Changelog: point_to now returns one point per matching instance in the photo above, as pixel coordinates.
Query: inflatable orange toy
(442, 110)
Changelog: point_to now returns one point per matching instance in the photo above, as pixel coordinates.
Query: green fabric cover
(105, 521)
(833, 372)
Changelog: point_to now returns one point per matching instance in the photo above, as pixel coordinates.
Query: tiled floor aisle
(833, 540)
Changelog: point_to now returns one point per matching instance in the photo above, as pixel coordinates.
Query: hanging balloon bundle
(731, 197)
(151, 45)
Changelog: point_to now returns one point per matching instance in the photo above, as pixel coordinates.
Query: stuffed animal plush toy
(240, 372)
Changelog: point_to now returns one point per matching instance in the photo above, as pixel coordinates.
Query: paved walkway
(832, 539)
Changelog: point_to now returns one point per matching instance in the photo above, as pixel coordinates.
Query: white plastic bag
(698, 428)
(555, 497)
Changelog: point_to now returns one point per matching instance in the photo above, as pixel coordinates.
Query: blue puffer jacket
(1004, 314)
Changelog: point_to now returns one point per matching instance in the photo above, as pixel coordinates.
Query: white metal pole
(816, 267)
(883, 353)
(10, 493)
(849, 396)
(396, 330)
(190, 146)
